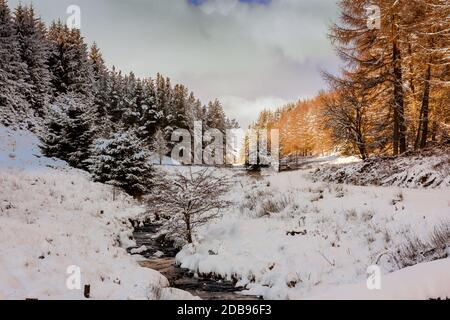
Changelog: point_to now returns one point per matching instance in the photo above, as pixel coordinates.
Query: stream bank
(164, 262)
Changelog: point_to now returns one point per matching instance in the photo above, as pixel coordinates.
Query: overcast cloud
(251, 54)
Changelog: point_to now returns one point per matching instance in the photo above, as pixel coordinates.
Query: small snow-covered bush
(275, 205)
(440, 238)
(262, 202)
(189, 199)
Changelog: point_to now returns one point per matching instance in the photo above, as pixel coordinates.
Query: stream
(164, 262)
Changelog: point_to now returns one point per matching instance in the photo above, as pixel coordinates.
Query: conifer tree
(69, 64)
(215, 117)
(34, 52)
(122, 161)
(180, 107)
(116, 99)
(101, 89)
(151, 112)
(70, 133)
(13, 107)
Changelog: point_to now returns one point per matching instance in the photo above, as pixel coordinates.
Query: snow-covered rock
(139, 250)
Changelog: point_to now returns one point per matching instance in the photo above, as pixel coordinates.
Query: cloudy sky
(251, 54)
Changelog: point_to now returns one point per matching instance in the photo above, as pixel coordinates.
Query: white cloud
(248, 110)
(224, 48)
(223, 7)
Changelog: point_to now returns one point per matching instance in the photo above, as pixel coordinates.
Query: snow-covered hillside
(291, 238)
(287, 237)
(53, 217)
(428, 168)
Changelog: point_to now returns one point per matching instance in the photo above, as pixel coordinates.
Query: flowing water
(205, 288)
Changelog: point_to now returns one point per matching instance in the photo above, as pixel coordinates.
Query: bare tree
(189, 200)
(348, 112)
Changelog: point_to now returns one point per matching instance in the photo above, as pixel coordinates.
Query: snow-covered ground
(53, 217)
(287, 237)
(428, 168)
(291, 238)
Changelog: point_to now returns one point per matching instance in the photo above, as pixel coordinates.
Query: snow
(19, 150)
(423, 281)
(422, 169)
(139, 250)
(155, 159)
(53, 217)
(287, 236)
(291, 238)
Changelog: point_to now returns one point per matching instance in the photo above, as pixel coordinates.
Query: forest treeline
(393, 92)
(93, 117)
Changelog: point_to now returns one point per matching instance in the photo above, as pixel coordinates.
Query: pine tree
(69, 64)
(70, 133)
(97, 62)
(180, 107)
(151, 113)
(215, 117)
(13, 107)
(116, 99)
(52, 139)
(122, 161)
(34, 53)
(101, 89)
(133, 99)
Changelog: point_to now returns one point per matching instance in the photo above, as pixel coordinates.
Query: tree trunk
(434, 131)
(187, 220)
(362, 150)
(361, 144)
(419, 131)
(399, 138)
(425, 109)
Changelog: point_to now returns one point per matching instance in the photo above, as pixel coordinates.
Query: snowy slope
(53, 217)
(420, 282)
(428, 168)
(19, 150)
(289, 238)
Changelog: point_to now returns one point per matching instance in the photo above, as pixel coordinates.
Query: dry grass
(416, 250)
